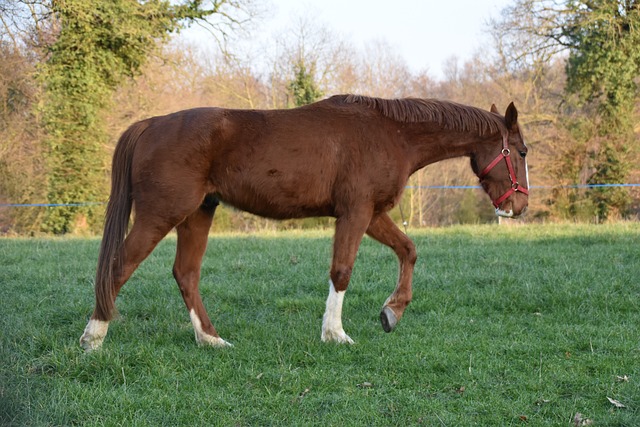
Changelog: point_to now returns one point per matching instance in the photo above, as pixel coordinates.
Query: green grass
(509, 326)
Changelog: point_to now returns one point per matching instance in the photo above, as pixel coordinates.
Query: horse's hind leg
(143, 237)
(192, 243)
(386, 232)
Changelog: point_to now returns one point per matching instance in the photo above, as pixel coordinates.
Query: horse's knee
(412, 254)
(408, 253)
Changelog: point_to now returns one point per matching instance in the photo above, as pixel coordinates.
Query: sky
(423, 32)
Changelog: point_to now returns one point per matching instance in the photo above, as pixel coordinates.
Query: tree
(602, 42)
(602, 71)
(303, 86)
(87, 50)
(20, 151)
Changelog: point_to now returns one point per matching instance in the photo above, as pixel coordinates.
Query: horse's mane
(450, 115)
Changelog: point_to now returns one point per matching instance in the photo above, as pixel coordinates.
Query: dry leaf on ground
(616, 403)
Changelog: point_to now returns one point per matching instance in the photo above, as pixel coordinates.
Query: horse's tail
(110, 260)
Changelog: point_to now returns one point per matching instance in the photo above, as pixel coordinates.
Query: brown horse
(348, 157)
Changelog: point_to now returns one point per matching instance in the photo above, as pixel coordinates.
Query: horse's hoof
(339, 337)
(90, 343)
(93, 335)
(388, 319)
(86, 344)
(208, 340)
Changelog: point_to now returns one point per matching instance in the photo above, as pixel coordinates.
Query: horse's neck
(433, 147)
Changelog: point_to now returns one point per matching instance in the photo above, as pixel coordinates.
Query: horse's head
(502, 168)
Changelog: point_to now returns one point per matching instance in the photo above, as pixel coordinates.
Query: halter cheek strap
(515, 186)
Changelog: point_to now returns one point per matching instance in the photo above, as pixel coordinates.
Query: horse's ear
(511, 117)
(494, 109)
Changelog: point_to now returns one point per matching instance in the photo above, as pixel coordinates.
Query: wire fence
(48, 205)
(414, 187)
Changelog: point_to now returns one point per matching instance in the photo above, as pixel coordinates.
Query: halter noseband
(515, 186)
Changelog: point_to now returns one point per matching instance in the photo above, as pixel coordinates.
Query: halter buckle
(506, 152)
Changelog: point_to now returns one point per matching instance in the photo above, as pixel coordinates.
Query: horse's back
(307, 161)
(275, 163)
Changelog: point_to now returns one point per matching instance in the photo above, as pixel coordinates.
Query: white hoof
(208, 340)
(94, 334)
(338, 336)
(203, 338)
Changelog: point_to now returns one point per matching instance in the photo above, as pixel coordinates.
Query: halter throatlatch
(515, 186)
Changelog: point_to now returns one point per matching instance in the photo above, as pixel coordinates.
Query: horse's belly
(278, 200)
(274, 210)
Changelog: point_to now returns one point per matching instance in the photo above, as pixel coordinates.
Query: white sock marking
(202, 337)
(94, 334)
(332, 320)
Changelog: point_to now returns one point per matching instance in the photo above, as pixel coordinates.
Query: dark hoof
(388, 319)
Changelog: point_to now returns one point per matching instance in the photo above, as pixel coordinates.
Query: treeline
(69, 87)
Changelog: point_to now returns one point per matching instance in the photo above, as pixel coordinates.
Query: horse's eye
(523, 154)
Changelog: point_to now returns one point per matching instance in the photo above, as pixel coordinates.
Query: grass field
(509, 326)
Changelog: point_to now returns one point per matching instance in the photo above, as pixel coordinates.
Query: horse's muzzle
(509, 213)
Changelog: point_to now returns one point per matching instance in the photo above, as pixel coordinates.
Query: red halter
(515, 186)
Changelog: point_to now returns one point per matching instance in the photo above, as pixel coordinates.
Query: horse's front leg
(348, 235)
(386, 232)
